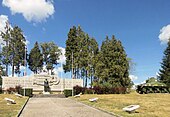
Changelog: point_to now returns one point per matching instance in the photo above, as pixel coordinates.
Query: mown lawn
(12, 109)
(151, 105)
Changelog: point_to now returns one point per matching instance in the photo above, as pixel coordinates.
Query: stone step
(48, 96)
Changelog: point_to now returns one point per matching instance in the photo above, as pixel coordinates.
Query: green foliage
(13, 50)
(71, 47)
(84, 50)
(51, 53)
(17, 45)
(28, 92)
(164, 75)
(35, 59)
(67, 92)
(5, 54)
(112, 64)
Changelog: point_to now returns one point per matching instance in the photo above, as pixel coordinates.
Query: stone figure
(46, 86)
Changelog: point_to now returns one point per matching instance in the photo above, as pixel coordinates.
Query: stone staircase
(48, 96)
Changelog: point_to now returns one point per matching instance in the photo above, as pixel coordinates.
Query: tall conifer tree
(164, 75)
(17, 45)
(113, 66)
(35, 59)
(71, 50)
(5, 54)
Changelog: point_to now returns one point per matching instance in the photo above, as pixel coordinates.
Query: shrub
(109, 90)
(0, 89)
(83, 90)
(18, 89)
(89, 91)
(10, 90)
(28, 92)
(98, 90)
(118, 90)
(77, 89)
(67, 92)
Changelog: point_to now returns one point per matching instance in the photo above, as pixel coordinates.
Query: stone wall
(37, 81)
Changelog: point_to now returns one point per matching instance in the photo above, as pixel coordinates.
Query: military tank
(152, 86)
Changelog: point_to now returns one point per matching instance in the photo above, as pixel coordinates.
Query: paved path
(59, 107)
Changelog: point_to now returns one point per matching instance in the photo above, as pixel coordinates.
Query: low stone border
(22, 107)
(97, 108)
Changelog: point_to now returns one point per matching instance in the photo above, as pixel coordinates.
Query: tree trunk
(6, 72)
(91, 81)
(12, 70)
(86, 79)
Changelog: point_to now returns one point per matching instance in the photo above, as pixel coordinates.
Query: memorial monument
(41, 83)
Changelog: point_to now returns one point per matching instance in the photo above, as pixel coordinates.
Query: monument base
(46, 93)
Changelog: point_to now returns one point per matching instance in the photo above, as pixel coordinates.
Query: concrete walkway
(59, 107)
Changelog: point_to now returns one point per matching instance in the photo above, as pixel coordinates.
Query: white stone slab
(18, 95)
(77, 96)
(93, 99)
(131, 108)
(10, 101)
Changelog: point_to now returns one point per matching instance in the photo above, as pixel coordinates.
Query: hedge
(67, 92)
(28, 92)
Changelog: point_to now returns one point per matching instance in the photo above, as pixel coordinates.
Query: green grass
(151, 105)
(13, 109)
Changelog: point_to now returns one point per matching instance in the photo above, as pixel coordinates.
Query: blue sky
(137, 23)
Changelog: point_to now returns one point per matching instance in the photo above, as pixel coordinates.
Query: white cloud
(32, 10)
(27, 42)
(164, 35)
(58, 70)
(3, 20)
(157, 74)
(133, 77)
(62, 58)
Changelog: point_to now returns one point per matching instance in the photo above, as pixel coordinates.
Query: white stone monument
(36, 82)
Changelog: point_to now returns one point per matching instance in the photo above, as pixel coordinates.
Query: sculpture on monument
(46, 81)
(46, 86)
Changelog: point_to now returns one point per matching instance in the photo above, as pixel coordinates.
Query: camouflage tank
(152, 86)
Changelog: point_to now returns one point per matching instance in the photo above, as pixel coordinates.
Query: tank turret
(152, 86)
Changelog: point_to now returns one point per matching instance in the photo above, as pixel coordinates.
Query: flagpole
(61, 78)
(72, 73)
(25, 67)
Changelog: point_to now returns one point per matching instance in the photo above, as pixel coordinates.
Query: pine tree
(13, 50)
(164, 75)
(17, 45)
(93, 51)
(5, 54)
(35, 59)
(84, 50)
(113, 66)
(71, 48)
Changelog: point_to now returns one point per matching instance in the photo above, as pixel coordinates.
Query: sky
(143, 26)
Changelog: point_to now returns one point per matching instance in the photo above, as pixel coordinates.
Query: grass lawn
(151, 105)
(12, 109)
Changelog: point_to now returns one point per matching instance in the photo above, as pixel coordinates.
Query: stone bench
(93, 99)
(10, 101)
(77, 95)
(18, 95)
(131, 108)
